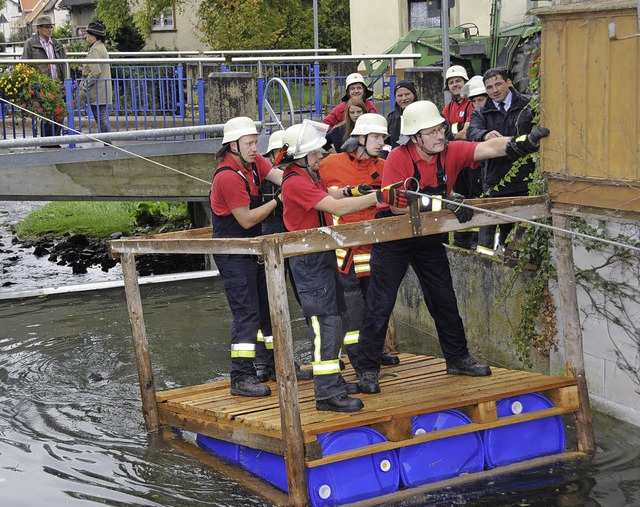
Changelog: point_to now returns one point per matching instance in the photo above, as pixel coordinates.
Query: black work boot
(389, 359)
(340, 403)
(265, 372)
(467, 365)
(249, 386)
(369, 381)
(350, 387)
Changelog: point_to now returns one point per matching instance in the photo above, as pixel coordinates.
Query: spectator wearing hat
(96, 89)
(42, 46)
(404, 93)
(356, 88)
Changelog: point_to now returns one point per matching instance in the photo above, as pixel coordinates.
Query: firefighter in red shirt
(458, 110)
(237, 211)
(358, 164)
(435, 164)
(308, 203)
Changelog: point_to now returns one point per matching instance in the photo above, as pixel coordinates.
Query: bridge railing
(160, 92)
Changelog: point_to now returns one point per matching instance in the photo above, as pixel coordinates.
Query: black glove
(277, 196)
(361, 189)
(394, 195)
(520, 146)
(462, 213)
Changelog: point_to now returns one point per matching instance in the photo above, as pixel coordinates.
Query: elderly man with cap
(433, 164)
(308, 204)
(96, 89)
(358, 166)
(42, 46)
(237, 211)
(355, 88)
(405, 94)
(458, 110)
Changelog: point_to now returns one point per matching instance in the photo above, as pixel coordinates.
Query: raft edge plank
(408, 494)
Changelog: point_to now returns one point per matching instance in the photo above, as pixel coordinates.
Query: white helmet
(456, 71)
(370, 123)
(305, 138)
(275, 141)
(237, 127)
(354, 78)
(474, 87)
(419, 115)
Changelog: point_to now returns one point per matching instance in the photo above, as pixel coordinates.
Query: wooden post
(572, 331)
(140, 343)
(391, 340)
(294, 452)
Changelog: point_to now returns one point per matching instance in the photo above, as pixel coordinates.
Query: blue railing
(154, 94)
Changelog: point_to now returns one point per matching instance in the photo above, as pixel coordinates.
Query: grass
(97, 219)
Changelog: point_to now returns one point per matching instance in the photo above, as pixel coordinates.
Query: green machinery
(513, 47)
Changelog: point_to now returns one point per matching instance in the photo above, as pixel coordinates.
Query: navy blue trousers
(389, 263)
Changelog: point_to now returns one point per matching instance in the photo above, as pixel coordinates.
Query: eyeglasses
(434, 133)
(45, 26)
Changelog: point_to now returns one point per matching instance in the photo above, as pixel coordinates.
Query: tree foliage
(243, 24)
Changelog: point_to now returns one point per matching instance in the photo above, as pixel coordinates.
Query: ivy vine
(537, 327)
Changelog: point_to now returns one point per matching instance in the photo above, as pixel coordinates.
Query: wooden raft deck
(418, 385)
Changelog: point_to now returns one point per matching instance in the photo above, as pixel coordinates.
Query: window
(166, 20)
(425, 14)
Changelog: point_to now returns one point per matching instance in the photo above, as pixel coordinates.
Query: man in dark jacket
(506, 113)
(41, 47)
(405, 93)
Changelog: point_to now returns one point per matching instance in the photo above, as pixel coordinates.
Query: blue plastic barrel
(264, 464)
(443, 458)
(336, 483)
(357, 478)
(525, 440)
(220, 448)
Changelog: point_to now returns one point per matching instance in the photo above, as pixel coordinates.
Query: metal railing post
(180, 90)
(318, 88)
(202, 118)
(68, 91)
(392, 96)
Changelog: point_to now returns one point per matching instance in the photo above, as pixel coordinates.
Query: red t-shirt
(229, 190)
(400, 165)
(455, 112)
(299, 195)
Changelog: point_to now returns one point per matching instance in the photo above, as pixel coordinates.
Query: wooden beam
(589, 192)
(140, 343)
(285, 373)
(416, 496)
(572, 330)
(339, 236)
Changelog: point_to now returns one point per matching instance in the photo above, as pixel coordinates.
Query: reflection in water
(71, 425)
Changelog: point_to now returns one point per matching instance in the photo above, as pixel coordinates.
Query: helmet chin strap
(313, 174)
(247, 164)
(364, 147)
(421, 147)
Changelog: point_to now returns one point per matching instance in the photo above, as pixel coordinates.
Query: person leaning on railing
(42, 46)
(96, 89)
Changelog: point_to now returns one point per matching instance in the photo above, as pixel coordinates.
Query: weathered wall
(490, 319)
(609, 301)
(589, 94)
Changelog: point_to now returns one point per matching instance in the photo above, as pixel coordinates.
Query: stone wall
(490, 319)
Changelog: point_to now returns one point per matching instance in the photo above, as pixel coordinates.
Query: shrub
(34, 92)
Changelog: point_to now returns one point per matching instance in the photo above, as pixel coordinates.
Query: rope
(159, 164)
(409, 192)
(531, 222)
